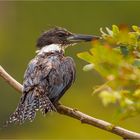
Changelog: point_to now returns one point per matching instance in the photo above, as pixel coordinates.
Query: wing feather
(45, 81)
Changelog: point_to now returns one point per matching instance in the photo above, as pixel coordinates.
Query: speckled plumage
(46, 79)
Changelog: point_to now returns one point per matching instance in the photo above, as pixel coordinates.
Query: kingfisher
(48, 75)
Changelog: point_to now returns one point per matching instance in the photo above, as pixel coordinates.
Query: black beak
(80, 38)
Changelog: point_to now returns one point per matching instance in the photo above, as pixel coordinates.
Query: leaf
(86, 56)
(109, 31)
(137, 93)
(115, 30)
(128, 101)
(107, 97)
(137, 63)
(88, 67)
(103, 33)
(124, 50)
(135, 28)
(117, 59)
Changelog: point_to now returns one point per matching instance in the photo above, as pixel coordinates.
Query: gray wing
(60, 78)
(50, 76)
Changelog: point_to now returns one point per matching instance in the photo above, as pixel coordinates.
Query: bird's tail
(30, 103)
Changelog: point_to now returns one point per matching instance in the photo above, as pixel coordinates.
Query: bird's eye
(60, 35)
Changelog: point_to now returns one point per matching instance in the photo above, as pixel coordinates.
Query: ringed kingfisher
(48, 75)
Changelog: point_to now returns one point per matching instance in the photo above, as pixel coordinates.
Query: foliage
(116, 57)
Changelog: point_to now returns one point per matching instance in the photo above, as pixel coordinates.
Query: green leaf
(135, 28)
(86, 56)
(107, 97)
(137, 93)
(115, 30)
(117, 59)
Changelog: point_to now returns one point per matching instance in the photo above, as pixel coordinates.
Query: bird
(48, 75)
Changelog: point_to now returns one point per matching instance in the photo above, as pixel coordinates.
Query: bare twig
(84, 118)
(10, 80)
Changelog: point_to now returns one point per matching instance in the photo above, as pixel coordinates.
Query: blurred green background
(20, 25)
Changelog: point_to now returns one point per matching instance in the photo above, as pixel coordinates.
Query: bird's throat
(50, 48)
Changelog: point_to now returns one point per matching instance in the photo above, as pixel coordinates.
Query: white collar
(50, 48)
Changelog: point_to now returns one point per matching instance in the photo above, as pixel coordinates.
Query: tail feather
(28, 106)
(45, 103)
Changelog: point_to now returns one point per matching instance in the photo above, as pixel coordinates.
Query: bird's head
(61, 37)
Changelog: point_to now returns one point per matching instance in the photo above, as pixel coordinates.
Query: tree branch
(84, 118)
(10, 80)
